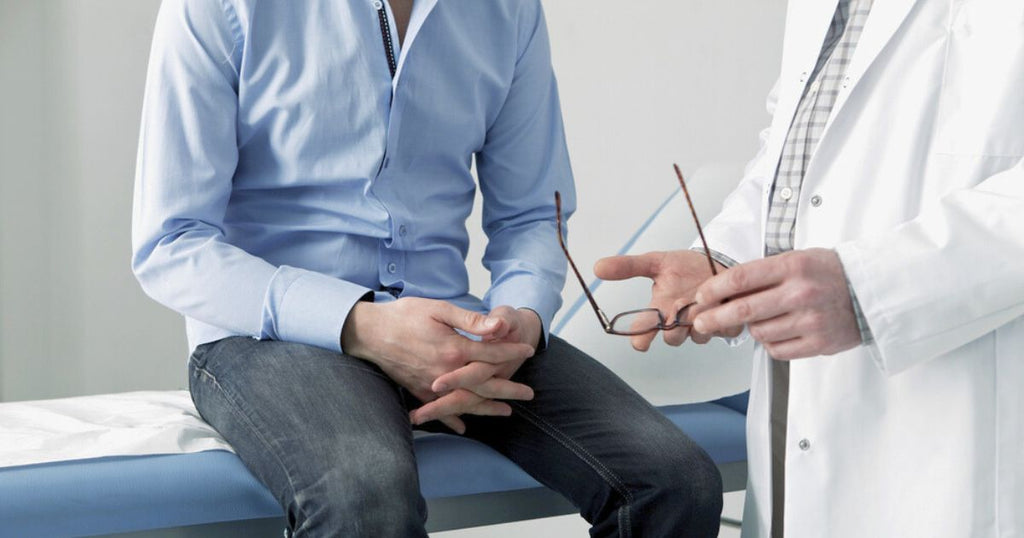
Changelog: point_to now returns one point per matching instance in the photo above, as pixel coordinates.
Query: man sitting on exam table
(879, 238)
(301, 195)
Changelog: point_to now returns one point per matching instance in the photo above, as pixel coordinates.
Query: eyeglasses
(643, 320)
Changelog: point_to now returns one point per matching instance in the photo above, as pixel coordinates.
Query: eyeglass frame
(608, 325)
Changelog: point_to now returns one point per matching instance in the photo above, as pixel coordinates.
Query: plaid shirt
(828, 77)
(812, 114)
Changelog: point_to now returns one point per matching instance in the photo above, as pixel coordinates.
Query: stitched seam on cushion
(611, 478)
(237, 410)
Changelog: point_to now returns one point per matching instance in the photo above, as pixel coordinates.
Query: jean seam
(609, 477)
(237, 410)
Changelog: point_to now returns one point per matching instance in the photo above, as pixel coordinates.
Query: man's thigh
(311, 424)
(590, 436)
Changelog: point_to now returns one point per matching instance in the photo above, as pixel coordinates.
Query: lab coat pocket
(982, 104)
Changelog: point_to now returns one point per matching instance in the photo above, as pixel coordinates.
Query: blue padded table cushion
(124, 494)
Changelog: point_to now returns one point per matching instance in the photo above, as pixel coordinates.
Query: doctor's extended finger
(752, 308)
(623, 267)
(742, 279)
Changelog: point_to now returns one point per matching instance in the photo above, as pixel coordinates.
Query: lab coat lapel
(883, 22)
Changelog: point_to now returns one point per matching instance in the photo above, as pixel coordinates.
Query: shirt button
(402, 230)
(804, 444)
(815, 200)
(786, 193)
(392, 267)
(387, 161)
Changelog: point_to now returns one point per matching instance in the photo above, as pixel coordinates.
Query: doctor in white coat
(913, 204)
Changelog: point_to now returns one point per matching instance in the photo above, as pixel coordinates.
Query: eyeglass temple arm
(700, 231)
(601, 316)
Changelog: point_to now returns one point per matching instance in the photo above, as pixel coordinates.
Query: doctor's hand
(463, 389)
(796, 304)
(414, 341)
(675, 277)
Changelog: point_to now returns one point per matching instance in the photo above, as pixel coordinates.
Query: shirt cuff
(308, 307)
(718, 257)
(528, 292)
(866, 338)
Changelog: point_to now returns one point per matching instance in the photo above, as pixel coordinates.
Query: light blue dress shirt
(283, 174)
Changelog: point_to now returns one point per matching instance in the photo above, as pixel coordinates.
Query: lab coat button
(815, 200)
(804, 444)
(402, 230)
(392, 267)
(786, 193)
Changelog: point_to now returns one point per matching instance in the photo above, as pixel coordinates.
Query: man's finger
(777, 329)
(505, 315)
(497, 388)
(786, 350)
(623, 267)
(491, 408)
(467, 320)
(496, 352)
(676, 337)
(454, 423)
(454, 403)
(642, 342)
(741, 311)
(469, 375)
(742, 279)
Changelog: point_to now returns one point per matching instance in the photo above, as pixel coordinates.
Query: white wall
(643, 84)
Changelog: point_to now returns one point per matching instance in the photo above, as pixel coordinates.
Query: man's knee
(379, 496)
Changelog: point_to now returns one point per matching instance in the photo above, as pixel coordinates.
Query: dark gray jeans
(329, 435)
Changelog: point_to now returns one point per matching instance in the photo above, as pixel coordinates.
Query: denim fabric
(329, 436)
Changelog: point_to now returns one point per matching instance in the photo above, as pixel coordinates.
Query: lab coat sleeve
(945, 278)
(736, 232)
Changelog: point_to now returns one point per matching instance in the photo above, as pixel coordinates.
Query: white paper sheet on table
(124, 424)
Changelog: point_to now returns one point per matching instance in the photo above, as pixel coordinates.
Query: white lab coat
(921, 185)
